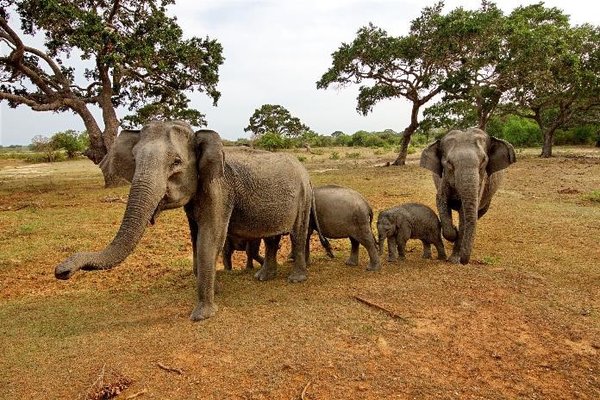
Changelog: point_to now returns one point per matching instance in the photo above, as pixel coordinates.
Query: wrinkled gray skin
(254, 194)
(345, 213)
(251, 247)
(409, 221)
(467, 171)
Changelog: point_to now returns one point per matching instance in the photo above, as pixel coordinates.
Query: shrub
(521, 132)
(334, 155)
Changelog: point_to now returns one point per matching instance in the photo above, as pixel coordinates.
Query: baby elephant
(409, 221)
(251, 248)
(344, 213)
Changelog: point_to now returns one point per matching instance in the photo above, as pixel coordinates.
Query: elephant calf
(409, 221)
(251, 247)
(344, 213)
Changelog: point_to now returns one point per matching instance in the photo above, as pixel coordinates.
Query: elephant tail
(322, 239)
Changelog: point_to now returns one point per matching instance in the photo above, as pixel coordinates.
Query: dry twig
(381, 308)
(304, 390)
(169, 369)
(138, 394)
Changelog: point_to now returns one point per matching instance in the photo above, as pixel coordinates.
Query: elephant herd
(235, 197)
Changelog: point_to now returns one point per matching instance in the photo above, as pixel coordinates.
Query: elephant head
(386, 227)
(464, 164)
(166, 163)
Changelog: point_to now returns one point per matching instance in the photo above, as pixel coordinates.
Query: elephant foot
(352, 262)
(454, 259)
(392, 259)
(203, 311)
(374, 267)
(442, 257)
(265, 273)
(464, 260)
(297, 277)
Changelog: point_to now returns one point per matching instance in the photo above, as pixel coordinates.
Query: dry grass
(521, 321)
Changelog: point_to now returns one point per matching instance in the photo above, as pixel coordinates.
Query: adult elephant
(467, 171)
(255, 194)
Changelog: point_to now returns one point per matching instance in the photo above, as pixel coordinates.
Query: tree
(480, 77)
(276, 119)
(44, 145)
(136, 58)
(71, 142)
(417, 67)
(556, 69)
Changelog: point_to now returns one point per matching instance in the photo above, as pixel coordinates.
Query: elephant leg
(227, 252)
(209, 242)
(269, 267)
(426, 250)
(254, 248)
(392, 248)
(367, 240)
(194, 237)
(307, 247)
(455, 256)
(353, 259)
(401, 246)
(299, 236)
(439, 246)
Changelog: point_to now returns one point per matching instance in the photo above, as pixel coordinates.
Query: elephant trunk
(380, 243)
(144, 200)
(468, 187)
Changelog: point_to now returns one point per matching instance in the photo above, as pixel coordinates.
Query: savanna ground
(521, 321)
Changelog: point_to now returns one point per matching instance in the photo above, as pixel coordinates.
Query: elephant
(250, 194)
(251, 247)
(467, 170)
(409, 221)
(342, 212)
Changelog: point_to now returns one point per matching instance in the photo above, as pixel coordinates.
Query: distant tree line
(273, 127)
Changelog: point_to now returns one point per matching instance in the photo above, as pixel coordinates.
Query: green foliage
(71, 142)
(272, 141)
(334, 155)
(277, 120)
(139, 59)
(594, 196)
(586, 134)
(521, 132)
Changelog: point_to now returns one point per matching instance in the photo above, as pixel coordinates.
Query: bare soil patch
(521, 321)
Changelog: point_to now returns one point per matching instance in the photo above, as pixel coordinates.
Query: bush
(71, 142)
(272, 142)
(334, 155)
(521, 132)
(580, 135)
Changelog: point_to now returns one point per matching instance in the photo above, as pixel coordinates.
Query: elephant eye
(177, 162)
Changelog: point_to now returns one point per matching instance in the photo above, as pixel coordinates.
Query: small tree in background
(71, 142)
(275, 119)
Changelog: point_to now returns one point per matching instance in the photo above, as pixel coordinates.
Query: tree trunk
(407, 134)
(547, 146)
(401, 159)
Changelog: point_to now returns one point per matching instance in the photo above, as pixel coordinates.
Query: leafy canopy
(138, 58)
(275, 119)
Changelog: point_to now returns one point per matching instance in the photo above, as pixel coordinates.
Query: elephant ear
(430, 158)
(501, 154)
(210, 156)
(119, 161)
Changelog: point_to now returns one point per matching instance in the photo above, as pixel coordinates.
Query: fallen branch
(138, 394)
(304, 390)
(169, 369)
(381, 308)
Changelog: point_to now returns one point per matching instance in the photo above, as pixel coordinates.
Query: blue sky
(275, 51)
